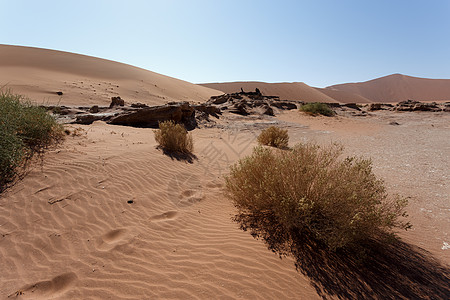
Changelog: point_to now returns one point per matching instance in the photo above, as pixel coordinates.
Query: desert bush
(275, 137)
(174, 137)
(317, 108)
(312, 193)
(25, 130)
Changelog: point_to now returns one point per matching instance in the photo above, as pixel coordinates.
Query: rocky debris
(268, 110)
(180, 112)
(446, 106)
(94, 109)
(86, 119)
(352, 105)
(246, 103)
(379, 106)
(411, 105)
(59, 93)
(139, 105)
(116, 101)
(394, 123)
(285, 105)
(252, 104)
(208, 109)
(63, 110)
(138, 114)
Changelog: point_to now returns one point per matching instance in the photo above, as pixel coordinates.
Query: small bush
(309, 192)
(274, 137)
(25, 130)
(317, 108)
(174, 137)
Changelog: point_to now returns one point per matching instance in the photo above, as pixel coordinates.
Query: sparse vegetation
(310, 193)
(25, 130)
(317, 108)
(174, 137)
(274, 137)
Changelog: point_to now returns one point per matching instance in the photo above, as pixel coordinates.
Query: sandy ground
(67, 230)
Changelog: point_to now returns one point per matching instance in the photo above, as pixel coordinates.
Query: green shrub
(25, 130)
(174, 137)
(310, 192)
(317, 108)
(274, 137)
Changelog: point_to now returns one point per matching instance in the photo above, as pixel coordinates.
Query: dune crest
(84, 80)
(398, 87)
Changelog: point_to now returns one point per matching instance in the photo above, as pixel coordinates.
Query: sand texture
(68, 230)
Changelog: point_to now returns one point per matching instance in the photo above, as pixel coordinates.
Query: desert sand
(106, 215)
(84, 80)
(343, 96)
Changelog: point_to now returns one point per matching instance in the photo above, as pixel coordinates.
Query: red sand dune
(398, 87)
(343, 96)
(85, 80)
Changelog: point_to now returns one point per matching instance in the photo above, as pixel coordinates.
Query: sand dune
(84, 80)
(286, 91)
(344, 97)
(389, 89)
(398, 87)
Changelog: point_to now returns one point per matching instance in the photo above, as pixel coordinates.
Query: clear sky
(319, 42)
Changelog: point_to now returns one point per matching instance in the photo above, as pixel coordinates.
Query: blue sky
(319, 42)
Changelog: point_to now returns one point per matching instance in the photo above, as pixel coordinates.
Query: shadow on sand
(384, 271)
(180, 156)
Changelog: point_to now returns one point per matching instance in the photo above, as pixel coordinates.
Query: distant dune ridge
(398, 87)
(43, 74)
(85, 80)
(388, 89)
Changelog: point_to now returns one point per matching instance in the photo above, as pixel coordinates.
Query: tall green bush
(25, 130)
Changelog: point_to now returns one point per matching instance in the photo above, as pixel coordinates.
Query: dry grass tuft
(311, 193)
(274, 137)
(174, 137)
(317, 108)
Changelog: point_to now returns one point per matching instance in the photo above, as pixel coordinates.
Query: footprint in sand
(112, 239)
(170, 215)
(185, 189)
(190, 197)
(47, 289)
